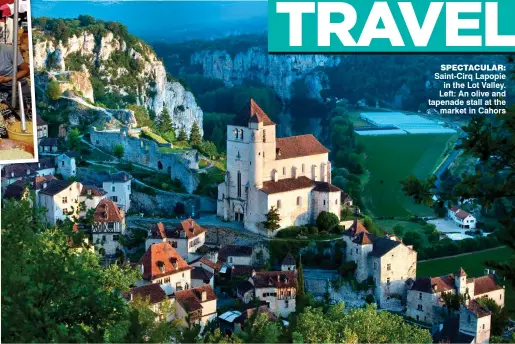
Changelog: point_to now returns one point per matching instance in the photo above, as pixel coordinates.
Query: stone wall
(182, 166)
(163, 203)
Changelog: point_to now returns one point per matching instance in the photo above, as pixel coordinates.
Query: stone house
(387, 261)
(48, 145)
(239, 255)
(66, 164)
(108, 226)
(42, 126)
(199, 304)
(278, 289)
(118, 188)
(462, 218)
(425, 303)
(44, 167)
(162, 264)
(292, 174)
(60, 199)
(187, 237)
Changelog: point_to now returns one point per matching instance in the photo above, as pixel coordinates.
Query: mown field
(390, 159)
(473, 264)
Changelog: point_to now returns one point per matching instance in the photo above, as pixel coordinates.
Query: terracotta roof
(326, 187)
(107, 211)
(434, 284)
(202, 274)
(235, 251)
(212, 265)
(242, 271)
(455, 209)
(191, 299)
(161, 260)
(248, 313)
(288, 260)
(17, 171)
(485, 284)
(297, 146)
(56, 186)
(355, 229)
(384, 245)
(153, 292)
(40, 121)
(251, 112)
(477, 309)
(462, 214)
(461, 272)
(93, 191)
(364, 239)
(278, 279)
(190, 228)
(158, 231)
(43, 163)
(287, 184)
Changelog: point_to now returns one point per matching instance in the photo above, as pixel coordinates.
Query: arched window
(264, 135)
(278, 204)
(241, 134)
(239, 184)
(299, 200)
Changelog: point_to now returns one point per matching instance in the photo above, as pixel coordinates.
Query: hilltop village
(211, 274)
(166, 222)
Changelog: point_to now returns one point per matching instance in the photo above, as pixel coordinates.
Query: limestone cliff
(129, 70)
(279, 72)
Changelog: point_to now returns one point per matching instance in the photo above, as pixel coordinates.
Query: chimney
(203, 296)
(487, 272)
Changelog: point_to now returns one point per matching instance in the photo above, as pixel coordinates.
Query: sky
(157, 20)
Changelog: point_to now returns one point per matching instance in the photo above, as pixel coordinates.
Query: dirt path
(461, 255)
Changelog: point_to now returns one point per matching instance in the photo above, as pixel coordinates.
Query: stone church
(292, 174)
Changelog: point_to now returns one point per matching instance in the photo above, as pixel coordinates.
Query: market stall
(16, 128)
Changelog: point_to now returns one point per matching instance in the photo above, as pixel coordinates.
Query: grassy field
(391, 159)
(473, 264)
(388, 225)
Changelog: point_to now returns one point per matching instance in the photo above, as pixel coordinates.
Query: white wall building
(292, 174)
(66, 164)
(118, 188)
(462, 218)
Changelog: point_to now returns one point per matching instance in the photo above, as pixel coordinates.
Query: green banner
(391, 26)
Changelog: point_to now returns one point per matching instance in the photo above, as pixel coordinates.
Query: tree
(453, 301)
(53, 90)
(51, 292)
(359, 325)
(195, 137)
(500, 316)
(300, 278)
(272, 220)
(327, 221)
(118, 150)
(73, 140)
(399, 230)
(141, 114)
(182, 135)
(165, 124)
(218, 337)
(208, 148)
(415, 239)
(259, 329)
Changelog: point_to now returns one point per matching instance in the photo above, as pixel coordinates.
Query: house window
(103, 238)
(284, 171)
(235, 133)
(375, 265)
(65, 200)
(418, 318)
(500, 297)
(469, 318)
(336, 201)
(167, 280)
(278, 204)
(324, 201)
(65, 211)
(62, 163)
(299, 200)
(420, 296)
(388, 281)
(113, 188)
(174, 244)
(285, 303)
(116, 237)
(230, 259)
(419, 307)
(264, 137)
(388, 267)
(178, 286)
(128, 186)
(356, 251)
(114, 199)
(483, 326)
(239, 184)
(110, 225)
(241, 134)
(303, 168)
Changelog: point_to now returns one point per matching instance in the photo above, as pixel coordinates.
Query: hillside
(123, 69)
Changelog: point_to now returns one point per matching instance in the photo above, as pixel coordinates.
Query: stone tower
(460, 280)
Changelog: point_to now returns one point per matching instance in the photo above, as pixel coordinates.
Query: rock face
(154, 89)
(279, 72)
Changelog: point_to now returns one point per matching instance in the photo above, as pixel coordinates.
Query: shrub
(313, 230)
(347, 269)
(326, 221)
(370, 299)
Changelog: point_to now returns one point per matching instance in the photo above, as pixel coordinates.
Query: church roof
(287, 184)
(251, 113)
(298, 146)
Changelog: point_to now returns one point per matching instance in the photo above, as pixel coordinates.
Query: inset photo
(18, 127)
